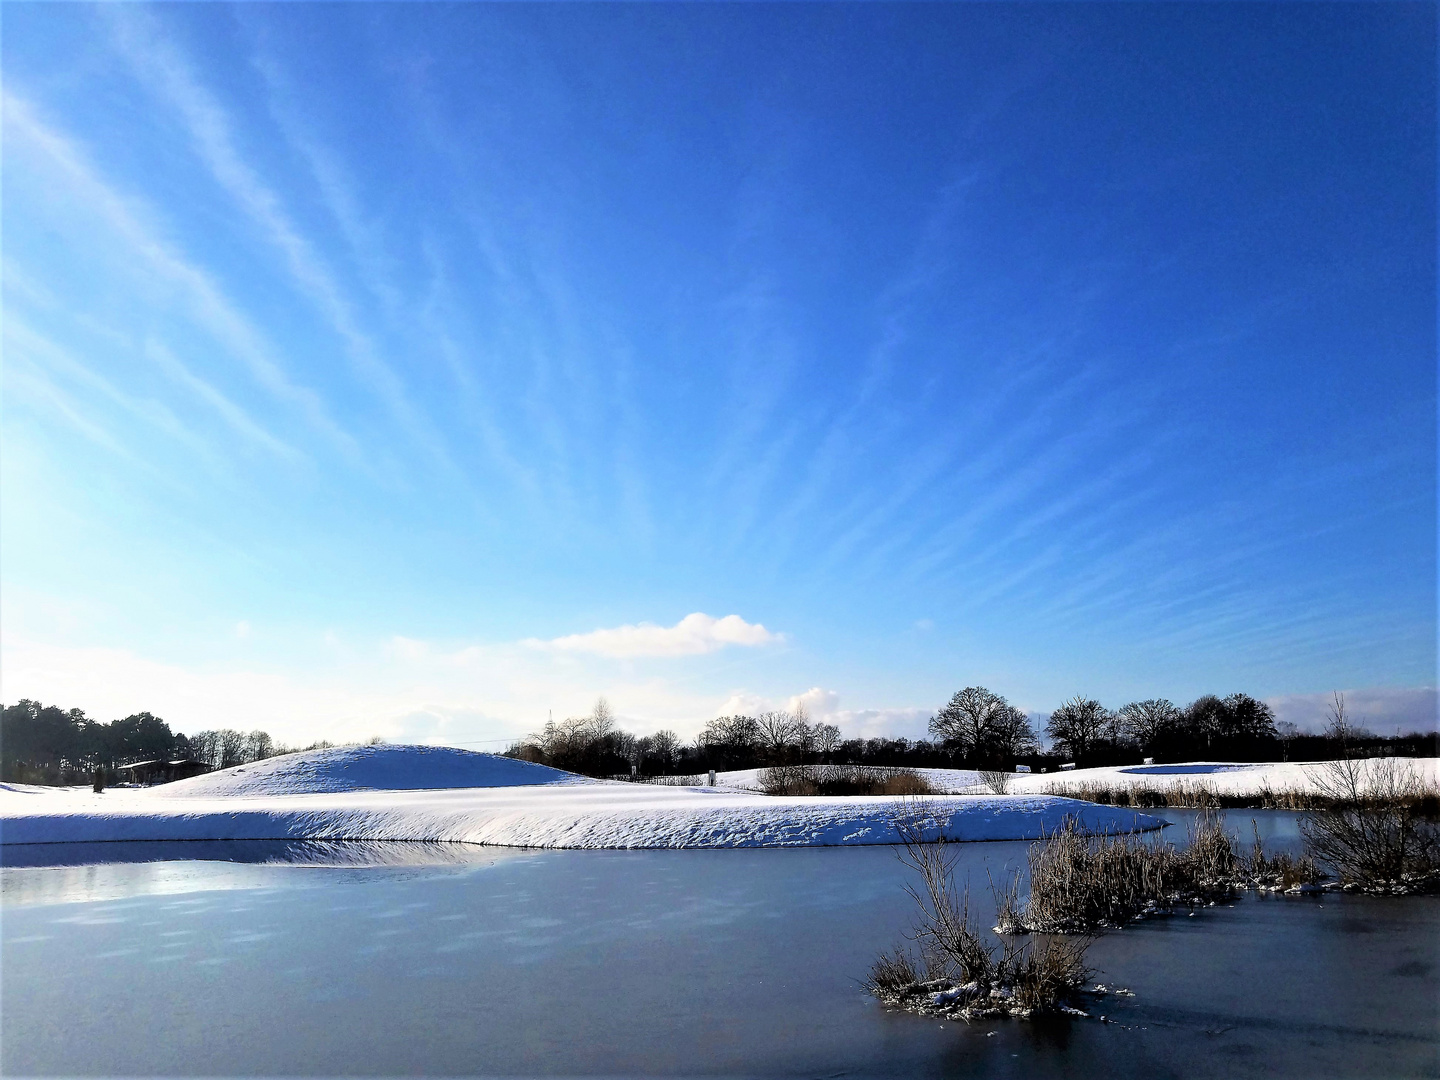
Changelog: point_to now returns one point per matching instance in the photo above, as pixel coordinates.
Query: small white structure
(1149, 761)
(1067, 766)
(1022, 768)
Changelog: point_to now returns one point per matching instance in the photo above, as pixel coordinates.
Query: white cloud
(819, 704)
(693, 635)
(242, 629)
(408, 648)
(1381, 709)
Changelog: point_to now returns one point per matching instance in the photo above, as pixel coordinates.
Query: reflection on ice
(78, 873)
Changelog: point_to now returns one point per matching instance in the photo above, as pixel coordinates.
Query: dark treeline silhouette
(976, 729)
(45, 744)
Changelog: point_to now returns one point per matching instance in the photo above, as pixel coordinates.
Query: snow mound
(370, 768)
(560, 815)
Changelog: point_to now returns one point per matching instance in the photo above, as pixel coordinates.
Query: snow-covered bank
(1222, 778)
(271, 801)
(1240, 779)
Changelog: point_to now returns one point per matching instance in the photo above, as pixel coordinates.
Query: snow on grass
(338, 795)
(1240, 779)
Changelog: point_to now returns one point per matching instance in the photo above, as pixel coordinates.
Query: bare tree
(983, 726)
(1010, 736)
(1247, 718)
(779, 732)
(665, 747)
(1287, 732)
(824, 739)
(741, 732)
(205, 746)
(258, 746)
(1147, 722)
(1078, 725)
(602, 719)
(968, 718)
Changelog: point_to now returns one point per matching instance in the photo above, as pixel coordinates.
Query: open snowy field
(1220, 777)
(1223, 778)
(445, 795)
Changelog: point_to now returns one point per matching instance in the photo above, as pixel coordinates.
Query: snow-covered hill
(370, 768)
(430, 794)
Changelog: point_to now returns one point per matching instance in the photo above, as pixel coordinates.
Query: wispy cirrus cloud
(695, 634)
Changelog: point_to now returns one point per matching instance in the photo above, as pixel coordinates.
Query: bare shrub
(1280, 871)
(903, 782)
(997, 783)
(1369, 825)
(788, 780)
(964, 977)
(841, 780)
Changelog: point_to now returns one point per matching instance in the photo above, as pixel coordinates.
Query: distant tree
(779, 734)
(1010, 737)
(663, 748)
(983, 726)
(259, 745)
(1147, 723)
(825, 740)
(1237, 726)
(728, 741)
(1248, 719)
(602, 720)
(1204, 722)
(1078, 726)
(232, 747)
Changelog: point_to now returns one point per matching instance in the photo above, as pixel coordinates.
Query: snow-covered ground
(391, 793)
(952, 781)
(1227, 778)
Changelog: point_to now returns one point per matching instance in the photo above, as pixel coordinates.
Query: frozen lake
(448, 960)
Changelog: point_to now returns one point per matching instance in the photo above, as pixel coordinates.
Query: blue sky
(421, 369)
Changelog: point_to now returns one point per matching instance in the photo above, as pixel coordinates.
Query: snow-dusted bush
(963, 975)
(1370, 829)
(1373, 822)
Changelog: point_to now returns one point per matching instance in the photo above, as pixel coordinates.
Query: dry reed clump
(1082, 884)
(963, 977)
(1280, 872)
(841, 780)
